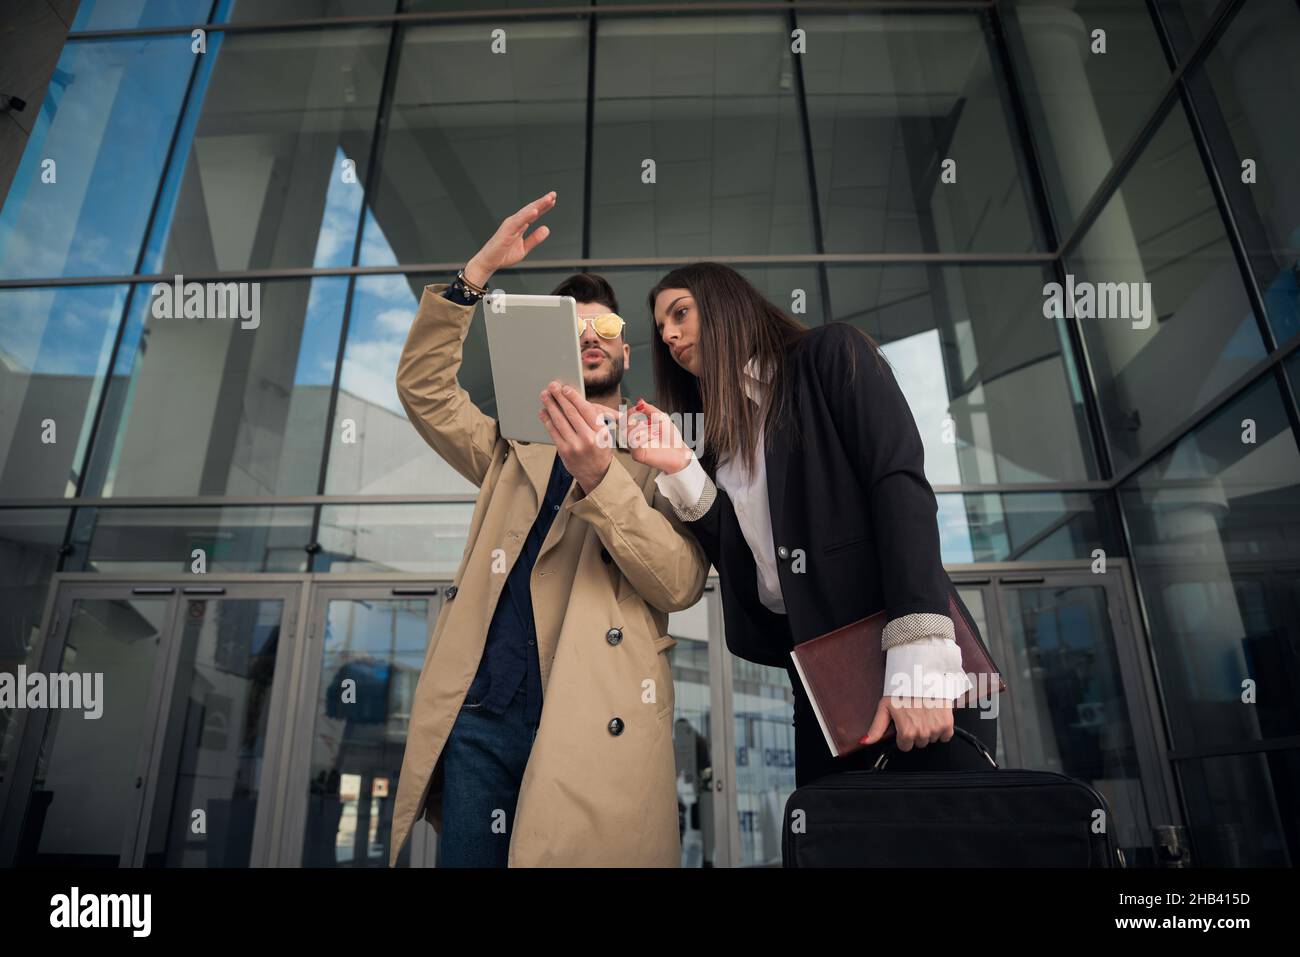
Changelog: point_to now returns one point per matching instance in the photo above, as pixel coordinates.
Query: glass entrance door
(1079, 700)
(364, 647)
(169, 771)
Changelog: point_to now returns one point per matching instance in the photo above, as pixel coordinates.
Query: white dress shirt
(928, 658)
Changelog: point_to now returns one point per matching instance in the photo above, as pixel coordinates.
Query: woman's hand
(655, 441)
(917, 721)
(508, 244)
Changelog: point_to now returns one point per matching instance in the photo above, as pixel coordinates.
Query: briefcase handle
(957, 732)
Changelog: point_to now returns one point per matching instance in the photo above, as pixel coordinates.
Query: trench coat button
(614, 635)
(616, 726)
(783, 553)
(604, 556)
(451, 592)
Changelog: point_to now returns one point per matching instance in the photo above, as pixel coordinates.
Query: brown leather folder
(843, 672)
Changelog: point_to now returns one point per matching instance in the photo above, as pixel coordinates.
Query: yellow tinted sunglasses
(607, 325)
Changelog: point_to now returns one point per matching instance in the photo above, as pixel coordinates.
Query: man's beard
(607, 384)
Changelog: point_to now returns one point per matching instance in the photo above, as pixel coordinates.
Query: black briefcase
(987, 818)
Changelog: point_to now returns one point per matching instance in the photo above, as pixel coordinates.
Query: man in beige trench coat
(599, 785)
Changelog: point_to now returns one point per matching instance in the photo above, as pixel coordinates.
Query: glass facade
(1116, 461)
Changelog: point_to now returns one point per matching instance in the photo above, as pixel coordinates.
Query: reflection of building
(346, 166)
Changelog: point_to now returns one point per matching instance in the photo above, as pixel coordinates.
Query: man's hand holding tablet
(580, 433)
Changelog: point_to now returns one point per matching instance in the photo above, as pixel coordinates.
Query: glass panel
(222, 406)
(275, 167)
(474, 135)
(29, 555)
(216, 734)
(80, 200)
(973, 598)
(1243, 810)
(381, 452)
(129, 14)
(693, 729)
(55, 346)
(244, 11)
(165, 540)
(83, 803)
(711, 101)
(1084, 107)
(393, 538)
(1247, 82)
(414, 6)
(763, 714)
(1071, 715)
(967, 344)
(1161, 240)
(1211, 524)
(1026, 526)
(890, 99)
(359, 730)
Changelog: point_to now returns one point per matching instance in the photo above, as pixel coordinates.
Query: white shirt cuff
(926, 668)
(683, 489)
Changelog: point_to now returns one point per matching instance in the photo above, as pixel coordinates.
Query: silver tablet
(532, 341)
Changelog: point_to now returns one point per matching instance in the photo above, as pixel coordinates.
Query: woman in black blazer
(810, 498)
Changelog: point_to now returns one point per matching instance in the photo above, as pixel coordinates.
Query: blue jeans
(483, 765)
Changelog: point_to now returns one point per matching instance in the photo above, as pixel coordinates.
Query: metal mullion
(589, 147)
(529, 13)
(278, 789)
(228, 501)
(279, 717)
(578, 262)
(1290, 743)
(810, 164)
(997, 618)
(379, 139)
(156, 726)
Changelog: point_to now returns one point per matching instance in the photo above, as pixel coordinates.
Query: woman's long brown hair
(737, 324)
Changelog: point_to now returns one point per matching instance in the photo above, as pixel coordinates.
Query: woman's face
(677, 323)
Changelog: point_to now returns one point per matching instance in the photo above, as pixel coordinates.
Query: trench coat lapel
(537, 459)
(622, 459)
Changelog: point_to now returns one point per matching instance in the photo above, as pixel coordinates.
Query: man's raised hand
(508, 244)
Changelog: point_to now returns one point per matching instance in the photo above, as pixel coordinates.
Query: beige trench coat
(589, 797)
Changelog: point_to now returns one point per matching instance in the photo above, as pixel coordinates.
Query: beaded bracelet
(468, 289)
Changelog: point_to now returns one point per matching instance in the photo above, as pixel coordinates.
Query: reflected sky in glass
(54, 354)
(105, 124)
